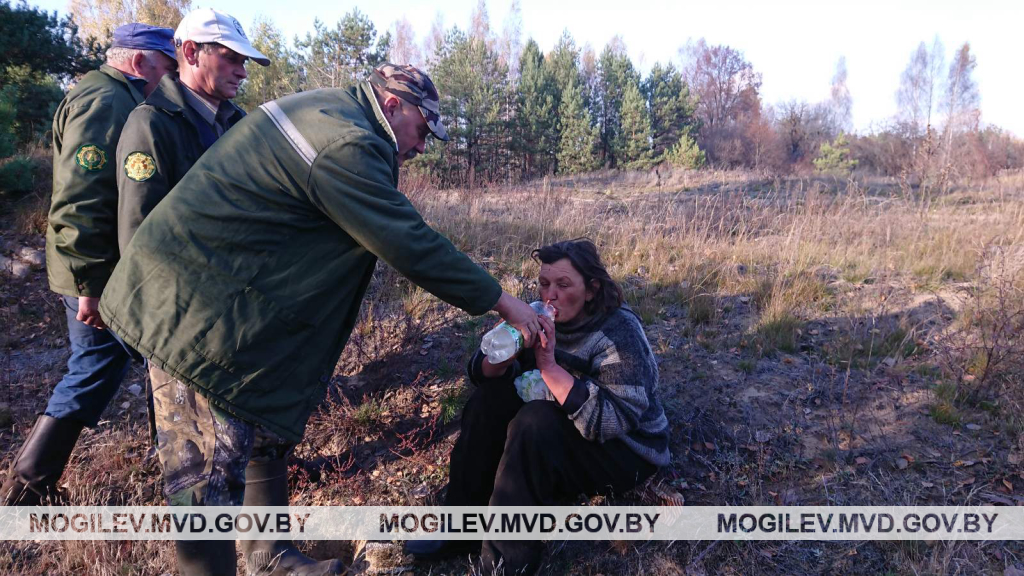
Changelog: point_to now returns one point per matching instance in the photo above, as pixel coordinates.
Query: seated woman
(605, 430)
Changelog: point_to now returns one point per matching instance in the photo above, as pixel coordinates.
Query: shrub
(834, 158)
(16, 175)
(686, 154)
(983, 352)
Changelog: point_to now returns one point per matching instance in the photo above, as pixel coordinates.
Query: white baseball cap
(209, 25)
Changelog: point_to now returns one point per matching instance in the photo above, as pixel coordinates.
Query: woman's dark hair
(583, 255)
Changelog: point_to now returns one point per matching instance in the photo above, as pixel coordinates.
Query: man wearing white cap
(183, 117)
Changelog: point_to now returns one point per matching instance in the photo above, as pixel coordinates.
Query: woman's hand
(544, 348)
(495, 370)
(557, 379)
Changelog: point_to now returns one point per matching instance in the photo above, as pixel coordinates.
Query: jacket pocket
(254, 334)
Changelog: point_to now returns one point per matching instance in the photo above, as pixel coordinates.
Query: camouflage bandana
(414, 86)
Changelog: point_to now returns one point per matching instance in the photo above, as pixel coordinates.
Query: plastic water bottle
(504, 340)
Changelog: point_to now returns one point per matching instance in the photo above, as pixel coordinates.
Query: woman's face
(563, 287)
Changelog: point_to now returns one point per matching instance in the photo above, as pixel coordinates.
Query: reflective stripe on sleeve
(291, 133)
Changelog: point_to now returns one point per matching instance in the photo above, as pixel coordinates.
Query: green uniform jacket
(246, 280)
(81, 235)
(161, 142)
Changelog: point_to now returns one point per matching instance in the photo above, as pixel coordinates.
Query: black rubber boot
(32, 479)
(266, 484)
(206, 557)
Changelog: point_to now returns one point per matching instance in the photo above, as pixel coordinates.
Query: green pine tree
(280, 78)
(685, 153)
(536, 113)
(472, 82)
(671, 106)
(38, 53)
(563, 63)
(834, 157)
(634, 142)
(578, 137)
(616, 74)
(344, 55)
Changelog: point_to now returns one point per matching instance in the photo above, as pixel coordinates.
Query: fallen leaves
(904, 461)
(660, 494)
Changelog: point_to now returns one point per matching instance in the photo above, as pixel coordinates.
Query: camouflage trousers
(203, 449)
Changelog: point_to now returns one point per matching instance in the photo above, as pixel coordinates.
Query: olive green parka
(160, 143)
(246, 280)
(81, 233)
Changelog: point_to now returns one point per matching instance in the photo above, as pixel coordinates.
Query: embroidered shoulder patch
(139, 166)
(91, 157)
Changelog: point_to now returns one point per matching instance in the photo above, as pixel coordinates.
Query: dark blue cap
(144, 37)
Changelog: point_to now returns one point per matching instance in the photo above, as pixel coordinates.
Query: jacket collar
(382, 126)
(169, 96)
(120, 77)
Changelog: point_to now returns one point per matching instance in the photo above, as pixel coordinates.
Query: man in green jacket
(184, 116)
(81, 250)
(243, 285)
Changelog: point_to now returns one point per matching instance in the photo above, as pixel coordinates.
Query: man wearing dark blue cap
(81, 250)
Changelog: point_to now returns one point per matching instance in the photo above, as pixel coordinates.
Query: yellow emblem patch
(91, 157)
(139, 166)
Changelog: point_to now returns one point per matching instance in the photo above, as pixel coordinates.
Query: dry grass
(783, 229)
(795, 321)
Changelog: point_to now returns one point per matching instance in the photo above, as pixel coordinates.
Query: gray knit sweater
(616, 379)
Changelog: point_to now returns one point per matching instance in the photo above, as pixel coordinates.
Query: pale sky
(794, 44)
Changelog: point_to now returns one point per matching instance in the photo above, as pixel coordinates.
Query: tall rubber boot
(206, 557)
(32, 479)
(266, 484)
